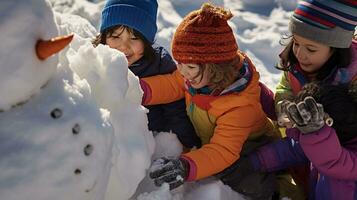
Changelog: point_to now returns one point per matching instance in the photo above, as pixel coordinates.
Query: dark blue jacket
(171, 116)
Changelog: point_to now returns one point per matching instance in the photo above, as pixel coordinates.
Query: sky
(72, 126)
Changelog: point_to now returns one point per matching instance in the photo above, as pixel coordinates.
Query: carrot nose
(45, 49)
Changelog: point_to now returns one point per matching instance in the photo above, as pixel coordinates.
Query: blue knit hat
(137, 14)
(331, 22)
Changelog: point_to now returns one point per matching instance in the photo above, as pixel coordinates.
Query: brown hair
(220, 75)
(149, 52)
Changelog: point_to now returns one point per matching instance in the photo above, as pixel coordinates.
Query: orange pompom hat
(204, 36)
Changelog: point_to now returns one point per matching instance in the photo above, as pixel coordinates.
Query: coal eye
(88, 149)
(76, 129)
(77, 171)
(56, 113)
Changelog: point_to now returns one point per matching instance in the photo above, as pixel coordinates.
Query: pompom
(209, 10)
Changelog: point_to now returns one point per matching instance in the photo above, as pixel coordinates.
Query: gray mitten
(169, 170)
(307, 115)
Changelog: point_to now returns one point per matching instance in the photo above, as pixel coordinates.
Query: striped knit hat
(204, 36)
(331, 22)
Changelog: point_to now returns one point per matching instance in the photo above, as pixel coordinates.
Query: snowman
(61, 135)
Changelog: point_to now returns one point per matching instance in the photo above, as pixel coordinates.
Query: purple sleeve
(281, 154)
(267, 101)
(326, 153)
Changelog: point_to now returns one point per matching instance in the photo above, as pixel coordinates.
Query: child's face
(310, 55)
(126, 42)
(190, 72)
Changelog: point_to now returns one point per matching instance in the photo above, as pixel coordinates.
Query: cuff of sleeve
(192, 168)
(147, 92)
(316, 136)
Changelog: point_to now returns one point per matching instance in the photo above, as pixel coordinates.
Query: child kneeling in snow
(321, 48)
(330, 151)
(135, 38)
(221, 87)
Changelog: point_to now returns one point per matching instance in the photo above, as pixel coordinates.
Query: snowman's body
(66, 121)
(58, 140)
(55, 141)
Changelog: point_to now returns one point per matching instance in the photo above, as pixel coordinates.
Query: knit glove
(169, 170)
(281, 112)
(307, 115)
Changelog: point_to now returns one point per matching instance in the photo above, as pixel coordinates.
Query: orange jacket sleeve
(164, 88)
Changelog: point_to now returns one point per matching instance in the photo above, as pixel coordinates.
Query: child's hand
(307, 115)
(167, 170)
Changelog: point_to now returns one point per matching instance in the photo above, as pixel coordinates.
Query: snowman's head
(26, 64)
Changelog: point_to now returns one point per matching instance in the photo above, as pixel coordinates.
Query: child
(222, 96)
(327, 55)
(322, 50)
(321, 47)
(332, 153)
(130, 27)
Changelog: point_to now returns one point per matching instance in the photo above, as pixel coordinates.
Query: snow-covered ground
(90, 75)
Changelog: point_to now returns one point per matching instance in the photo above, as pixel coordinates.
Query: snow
(96, 95)
(72, 125)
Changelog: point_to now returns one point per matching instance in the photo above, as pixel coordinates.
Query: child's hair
(221, 75)
(340, 58)
(148, 49)
(339, 103)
